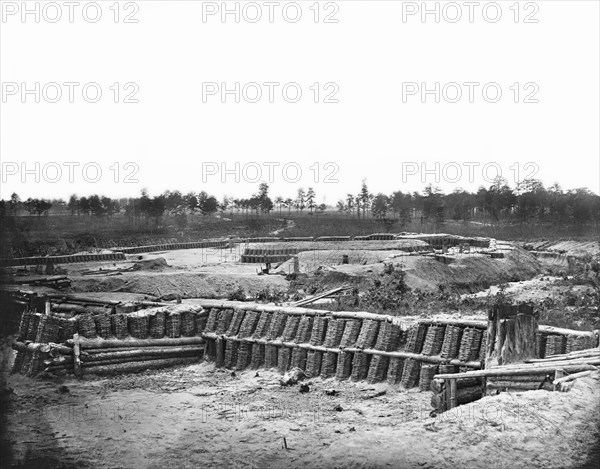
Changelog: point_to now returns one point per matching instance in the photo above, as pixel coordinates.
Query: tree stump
(511, 334)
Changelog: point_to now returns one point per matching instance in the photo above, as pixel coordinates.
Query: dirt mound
(570, 247)
(470, 273)
(398, 245)
(310, 261)
(186, 285)
(155, 264)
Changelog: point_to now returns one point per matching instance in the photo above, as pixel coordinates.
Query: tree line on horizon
(528, 201)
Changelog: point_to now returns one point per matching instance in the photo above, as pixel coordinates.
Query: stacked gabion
(319, 329)
(157, 324)
(283, 360)
(188, 323)
(427, 373)
(360, 366)
(277, 325)
(451, 344)
(271, 356)
(335, 332)
(388, 338)
(231, 353)
(258, 355)
(223, 321)
(433, 340)
(329, 365)
(291, 326)
(410, 374)
(415, 337)
(555, 344)
(351, 332)
(103, 328)
(236, 323)
(304, 330)
(395, 370)
(86, 326)
(49, 329)
(243, 355)
(138, 324)
(344, 365)
(299, 357)
(173, 324)
(68, 327)
(469, 345)
(368, 334)
(264, 323)
(378, 368)
(248, 324)
(118, 324)
(313, 363)
(211, 321)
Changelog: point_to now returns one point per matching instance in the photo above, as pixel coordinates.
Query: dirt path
(199, 416)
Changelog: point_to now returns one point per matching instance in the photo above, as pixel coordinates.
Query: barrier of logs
(237, 335)
(108, 342)
(434, 240)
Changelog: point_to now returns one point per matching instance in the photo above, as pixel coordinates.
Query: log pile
(51, 342)
(538, 374)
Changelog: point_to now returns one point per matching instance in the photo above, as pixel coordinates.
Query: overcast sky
(371, 64)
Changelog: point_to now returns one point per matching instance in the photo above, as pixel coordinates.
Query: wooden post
(48, 306)
(220, 352)
(76, 355)
(452, 394)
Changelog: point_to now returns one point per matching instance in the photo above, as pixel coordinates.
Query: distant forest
(529, 201)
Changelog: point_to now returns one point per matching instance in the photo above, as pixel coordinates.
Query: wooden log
(536, 378)
(130, 367)
(556, 363)
(561, 331)
(499, 371)
(452, 322)
(113, 360)
(565, 379)
(559, 358)
(76, 355)
(110, 343)
(453, 400)
(82, 299)
(416, 356)
(220, 352)
(145, 352)
(519, 386)
(466, 395)
(467, 382)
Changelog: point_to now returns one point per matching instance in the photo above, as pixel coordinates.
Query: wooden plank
(76, 355)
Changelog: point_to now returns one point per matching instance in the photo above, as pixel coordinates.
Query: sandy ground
(198, 416)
